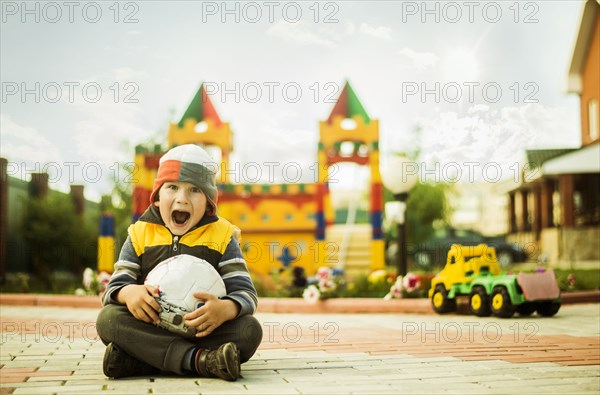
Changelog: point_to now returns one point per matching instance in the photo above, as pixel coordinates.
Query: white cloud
(28, 151)
(327, 35)
(99, 131)
(420, 60)
(126, 74)
(379, 32)
(24, 144)
(128, 42)
(93, 136)
(496, 138)
(120, 74)
(105, 127)
(350, 28)
(478, 108)
(297, 32)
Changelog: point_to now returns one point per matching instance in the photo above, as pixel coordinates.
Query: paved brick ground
(51, 350)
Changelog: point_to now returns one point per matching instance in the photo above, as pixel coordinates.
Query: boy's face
(181, 204)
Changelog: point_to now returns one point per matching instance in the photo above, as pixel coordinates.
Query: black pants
(165, 350)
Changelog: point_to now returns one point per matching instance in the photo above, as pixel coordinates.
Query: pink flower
(103, 279)
(395, 290)
(323, 273)
(411, 282)
(326, 285)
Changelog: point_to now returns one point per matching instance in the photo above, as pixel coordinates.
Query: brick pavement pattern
(52, 350)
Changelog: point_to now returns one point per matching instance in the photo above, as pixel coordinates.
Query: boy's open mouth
(180, 217)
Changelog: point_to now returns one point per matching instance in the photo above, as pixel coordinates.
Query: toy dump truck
(473, 271)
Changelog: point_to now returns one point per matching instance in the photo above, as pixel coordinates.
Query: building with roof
(556, 206)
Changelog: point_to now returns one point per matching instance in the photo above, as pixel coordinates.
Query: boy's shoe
(117, 363)
(223, 362)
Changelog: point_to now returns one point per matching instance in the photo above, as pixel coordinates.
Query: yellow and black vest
(153, 242)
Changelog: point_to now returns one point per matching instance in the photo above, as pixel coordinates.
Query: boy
(181, 219)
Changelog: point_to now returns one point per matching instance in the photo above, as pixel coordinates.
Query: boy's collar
(152, 215)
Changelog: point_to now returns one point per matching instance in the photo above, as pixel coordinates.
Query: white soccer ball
(180, 276)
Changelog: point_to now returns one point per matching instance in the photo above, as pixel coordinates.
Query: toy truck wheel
(526, 309)
(479, 302)
(501, 305)
(440, 302)
(548, 309)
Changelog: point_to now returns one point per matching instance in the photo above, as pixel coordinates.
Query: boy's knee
(249, 336)
(106, 322)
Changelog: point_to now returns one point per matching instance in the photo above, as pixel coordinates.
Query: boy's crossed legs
(143, 348)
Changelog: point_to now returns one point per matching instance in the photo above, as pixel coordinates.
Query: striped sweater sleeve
(236, 277)
(127, 271)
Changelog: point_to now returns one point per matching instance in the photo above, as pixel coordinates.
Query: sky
(469, 85)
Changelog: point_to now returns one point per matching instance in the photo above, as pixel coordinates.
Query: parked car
(434, 251)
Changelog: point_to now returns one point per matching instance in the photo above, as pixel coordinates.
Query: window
(201, 127)
(593, 121)
(347, 149)
(348, 124)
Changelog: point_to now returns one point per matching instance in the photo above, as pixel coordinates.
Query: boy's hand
(140, 302)
(210, 316)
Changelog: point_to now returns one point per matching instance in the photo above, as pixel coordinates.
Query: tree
(57, 238)
(426, 205)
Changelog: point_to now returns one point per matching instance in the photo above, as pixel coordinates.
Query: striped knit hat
(192, 164)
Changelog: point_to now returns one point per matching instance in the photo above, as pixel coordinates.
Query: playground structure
(283, 224)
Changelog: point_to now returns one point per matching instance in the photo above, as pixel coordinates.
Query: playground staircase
(350, 248)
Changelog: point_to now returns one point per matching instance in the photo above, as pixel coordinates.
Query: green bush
(584, 279)
(361, 287)
(57, 283)
(57, 239)
(276, 285)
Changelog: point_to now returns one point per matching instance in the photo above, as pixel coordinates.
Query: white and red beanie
(189, 163)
